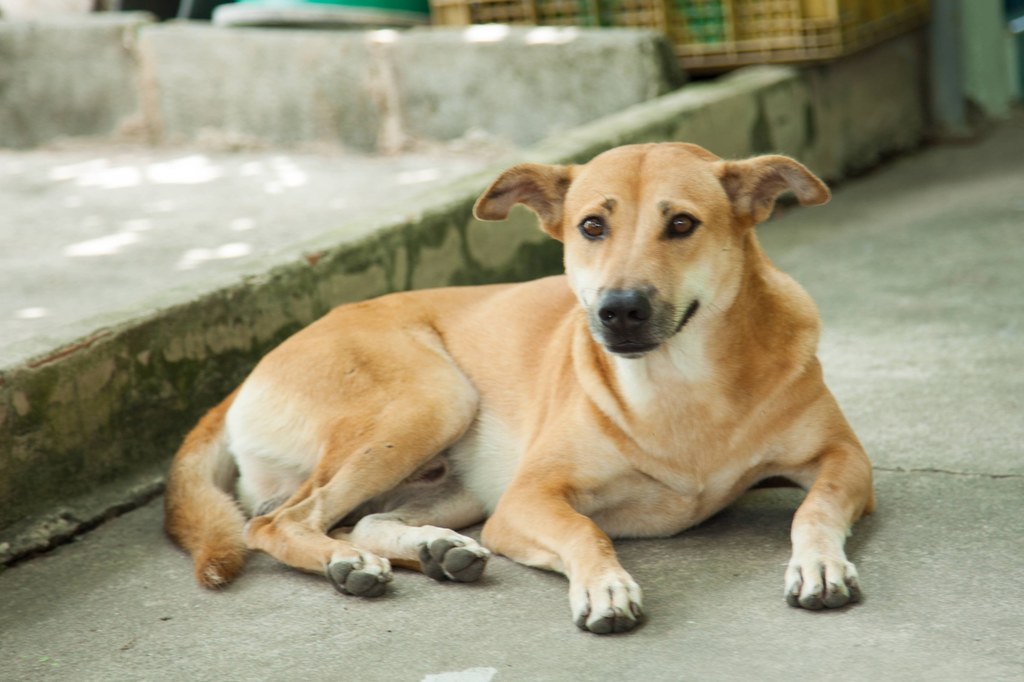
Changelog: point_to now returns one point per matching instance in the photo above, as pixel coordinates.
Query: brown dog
(669, 371)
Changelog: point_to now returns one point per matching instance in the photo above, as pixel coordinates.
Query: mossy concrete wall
(118, 402)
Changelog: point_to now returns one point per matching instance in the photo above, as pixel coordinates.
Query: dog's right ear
(539, 187)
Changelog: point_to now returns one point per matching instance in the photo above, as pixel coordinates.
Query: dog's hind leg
(417, 533)
(362, 458)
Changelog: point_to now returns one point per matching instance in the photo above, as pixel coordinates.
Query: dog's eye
(682, 225)
(593, 227)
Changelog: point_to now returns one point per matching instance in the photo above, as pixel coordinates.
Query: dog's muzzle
(632, 323)
(625, 316)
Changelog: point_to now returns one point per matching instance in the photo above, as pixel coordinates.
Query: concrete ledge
(120, 400)
(384, 89)
(258, 86)
(68, 77)
(868, 106)
(111, 75)
(839, 119)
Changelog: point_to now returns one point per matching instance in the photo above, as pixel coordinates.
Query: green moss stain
(538, 256)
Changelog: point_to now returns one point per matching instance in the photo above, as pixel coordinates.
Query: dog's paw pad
(610, 622)
(355, 578)
(449, 559)
(465, 565)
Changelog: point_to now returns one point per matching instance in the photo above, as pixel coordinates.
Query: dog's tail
(200, 512)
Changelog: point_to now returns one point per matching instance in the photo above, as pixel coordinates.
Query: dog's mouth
(631, 348)
(691, 310)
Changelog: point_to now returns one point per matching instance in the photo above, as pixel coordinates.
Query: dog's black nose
(625, 310)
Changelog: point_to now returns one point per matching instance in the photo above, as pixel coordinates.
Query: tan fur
(558, 412)
(201, 512)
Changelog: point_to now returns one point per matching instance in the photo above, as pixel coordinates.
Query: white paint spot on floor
(98, 173)
(242, 224)
(119, 177)
(193, 258)
(234, 250)
(188, 170)
(470, 675)
(102, 246)
(417, 176)
(288, 173)
(31, 313)
(72, 171)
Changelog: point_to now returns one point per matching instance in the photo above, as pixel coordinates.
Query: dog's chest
(680, 426)
(690, 455)
(663, 496)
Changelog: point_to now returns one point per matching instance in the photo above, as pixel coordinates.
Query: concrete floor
(918, 270)
(93, 232)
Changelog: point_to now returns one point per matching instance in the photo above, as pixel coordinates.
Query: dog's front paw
(364, 576)
(816, 582)
(609, 604)
(457, 558)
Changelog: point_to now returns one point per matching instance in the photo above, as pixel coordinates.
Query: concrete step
(121, 76)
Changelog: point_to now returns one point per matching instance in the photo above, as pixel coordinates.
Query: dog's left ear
(539, 187)
(754, 184)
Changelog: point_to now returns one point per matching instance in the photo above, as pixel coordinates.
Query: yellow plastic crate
(714, 34)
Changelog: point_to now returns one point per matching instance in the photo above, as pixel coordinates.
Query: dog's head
(653, 234)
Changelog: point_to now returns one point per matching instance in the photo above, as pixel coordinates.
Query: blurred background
(977, 49)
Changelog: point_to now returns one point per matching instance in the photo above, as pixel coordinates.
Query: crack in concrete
(950, 472)
(383, 86)
(64, 525)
